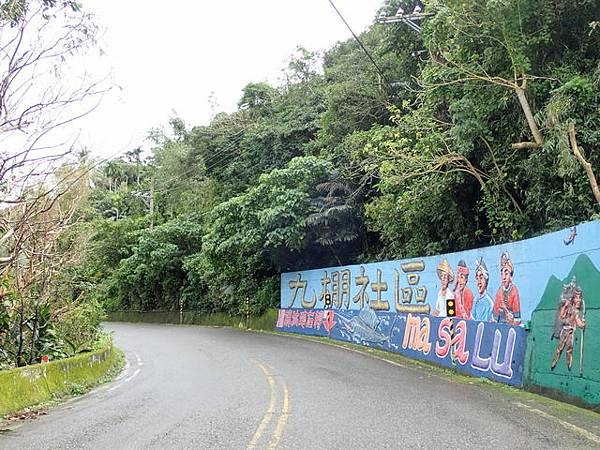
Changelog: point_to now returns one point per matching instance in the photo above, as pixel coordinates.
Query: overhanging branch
(584, 163)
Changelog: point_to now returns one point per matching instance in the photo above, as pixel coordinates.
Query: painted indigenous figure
(566, 321)
(462, 294)
(446, 276)
(484, 305)
(507, 306)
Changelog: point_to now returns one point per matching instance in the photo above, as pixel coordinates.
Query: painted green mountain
(588, 278)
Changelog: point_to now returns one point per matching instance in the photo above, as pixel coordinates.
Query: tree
(153, 276)
(512, 45)
(37, 39)
(39, 191)
(343, 162)
(449, 158)
(257, 96)
(36, 253)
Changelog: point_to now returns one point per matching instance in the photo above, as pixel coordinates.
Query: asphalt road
(220, 388)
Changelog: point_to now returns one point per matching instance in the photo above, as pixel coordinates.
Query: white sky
(170, 56)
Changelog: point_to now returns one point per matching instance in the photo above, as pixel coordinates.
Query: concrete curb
(28, 386)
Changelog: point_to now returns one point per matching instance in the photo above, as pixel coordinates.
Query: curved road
(195, 387)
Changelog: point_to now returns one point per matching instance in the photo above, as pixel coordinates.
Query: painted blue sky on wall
(416, 285)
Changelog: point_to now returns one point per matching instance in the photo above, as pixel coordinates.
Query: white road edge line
(585, 433)
(127, 380)
(126, 371)
(366, 353)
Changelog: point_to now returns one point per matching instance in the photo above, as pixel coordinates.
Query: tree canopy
(481, 129)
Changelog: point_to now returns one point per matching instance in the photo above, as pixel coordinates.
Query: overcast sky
(172, 56)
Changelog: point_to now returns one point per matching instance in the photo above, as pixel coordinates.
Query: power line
(230, 146)
(213, 159)
(361, 45)
(408, 19)
(237, 137)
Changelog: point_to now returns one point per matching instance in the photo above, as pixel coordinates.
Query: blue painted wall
(492, 350)
(412, 285)
(400, 306)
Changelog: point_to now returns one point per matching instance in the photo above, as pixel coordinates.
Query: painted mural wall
(526, 312)
(564, 340)
(493, 350)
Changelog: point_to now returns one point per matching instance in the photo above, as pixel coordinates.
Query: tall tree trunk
(19, 360)
(535, 131)
(34, 333)
(584, 163)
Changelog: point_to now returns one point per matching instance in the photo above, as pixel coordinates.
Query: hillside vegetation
(483, 129)
(480, 139)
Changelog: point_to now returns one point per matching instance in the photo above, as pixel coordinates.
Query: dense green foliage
(45, 312)
(340, 164)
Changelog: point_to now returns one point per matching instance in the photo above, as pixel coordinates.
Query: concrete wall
(492, 350)
(263, 322)
(535, 302)
(581, 378)
(27, 386)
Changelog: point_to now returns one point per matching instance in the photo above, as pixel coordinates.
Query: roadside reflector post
(327, 298)
(247, 312)
(451, 312)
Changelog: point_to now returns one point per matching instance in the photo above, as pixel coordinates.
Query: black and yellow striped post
(327, 298)
(451, 312)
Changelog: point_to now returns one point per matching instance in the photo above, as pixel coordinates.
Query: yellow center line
(278, 433)
(269, 414)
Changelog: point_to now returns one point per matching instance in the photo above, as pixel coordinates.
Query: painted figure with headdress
(484, 305)
(507, 306)
(567, 319)
(446, 276)
(462, 294)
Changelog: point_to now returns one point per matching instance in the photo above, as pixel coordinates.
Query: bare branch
(584, 163)
(525, 145)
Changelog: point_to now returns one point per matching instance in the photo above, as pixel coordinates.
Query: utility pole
(409, 19)
(148, 199)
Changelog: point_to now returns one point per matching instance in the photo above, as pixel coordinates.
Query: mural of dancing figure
(507, 306)
(566, 322)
